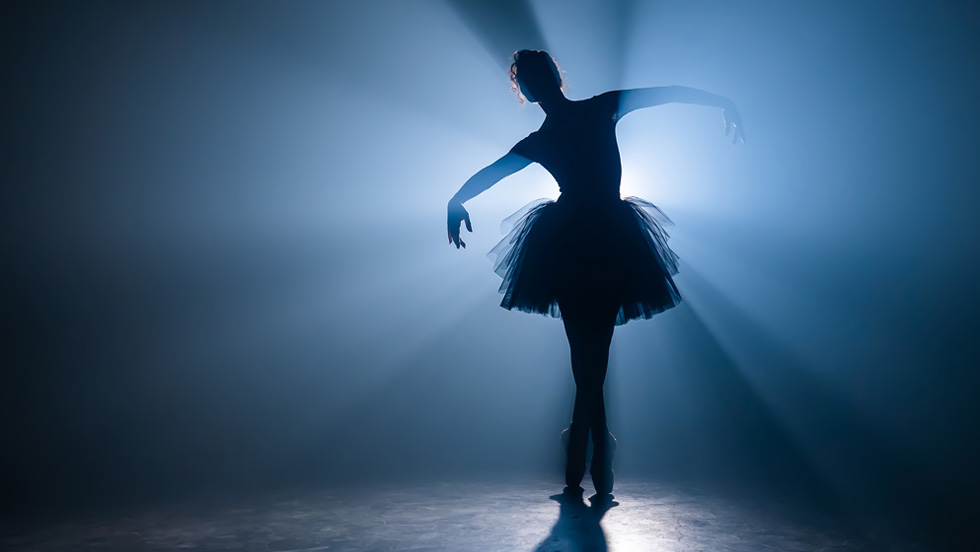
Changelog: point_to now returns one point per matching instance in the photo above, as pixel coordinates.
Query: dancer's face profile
(535, 76)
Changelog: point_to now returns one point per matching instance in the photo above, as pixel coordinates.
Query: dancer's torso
(578, 147)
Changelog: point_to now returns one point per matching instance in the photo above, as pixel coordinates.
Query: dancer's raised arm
(638, 98)
(482, 180)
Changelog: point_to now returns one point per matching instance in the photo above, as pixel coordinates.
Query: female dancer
(591, 258)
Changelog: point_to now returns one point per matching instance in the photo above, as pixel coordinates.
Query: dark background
(224, 266)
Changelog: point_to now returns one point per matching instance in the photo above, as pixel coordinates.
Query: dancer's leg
(589, 326)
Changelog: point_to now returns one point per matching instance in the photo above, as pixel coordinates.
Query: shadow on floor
(577, 528)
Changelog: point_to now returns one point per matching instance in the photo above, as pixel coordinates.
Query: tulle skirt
(615, 249)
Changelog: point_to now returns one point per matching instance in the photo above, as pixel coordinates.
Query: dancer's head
(534, 75)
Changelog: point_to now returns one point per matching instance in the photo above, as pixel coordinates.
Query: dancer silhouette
(591, 258)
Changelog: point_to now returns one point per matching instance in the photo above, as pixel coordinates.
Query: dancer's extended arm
(482, 180)
(648, 97)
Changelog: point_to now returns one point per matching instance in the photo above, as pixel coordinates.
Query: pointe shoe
(601, 468)
(575, 440)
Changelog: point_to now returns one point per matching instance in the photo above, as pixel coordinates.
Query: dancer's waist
(589, 197)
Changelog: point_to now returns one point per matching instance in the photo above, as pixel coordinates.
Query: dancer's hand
(733, 124)
(457, 215)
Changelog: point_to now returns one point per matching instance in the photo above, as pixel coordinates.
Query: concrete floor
(461, 517)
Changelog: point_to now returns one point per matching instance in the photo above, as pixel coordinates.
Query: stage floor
(460, 517)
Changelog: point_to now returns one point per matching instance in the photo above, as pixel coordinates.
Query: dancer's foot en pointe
(601, 468)
(575, 438)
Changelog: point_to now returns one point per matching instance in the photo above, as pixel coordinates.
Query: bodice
(577, 145)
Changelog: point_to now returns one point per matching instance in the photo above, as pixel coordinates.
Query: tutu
(614, 247)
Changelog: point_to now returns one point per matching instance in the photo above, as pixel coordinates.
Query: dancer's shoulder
(607, 103)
